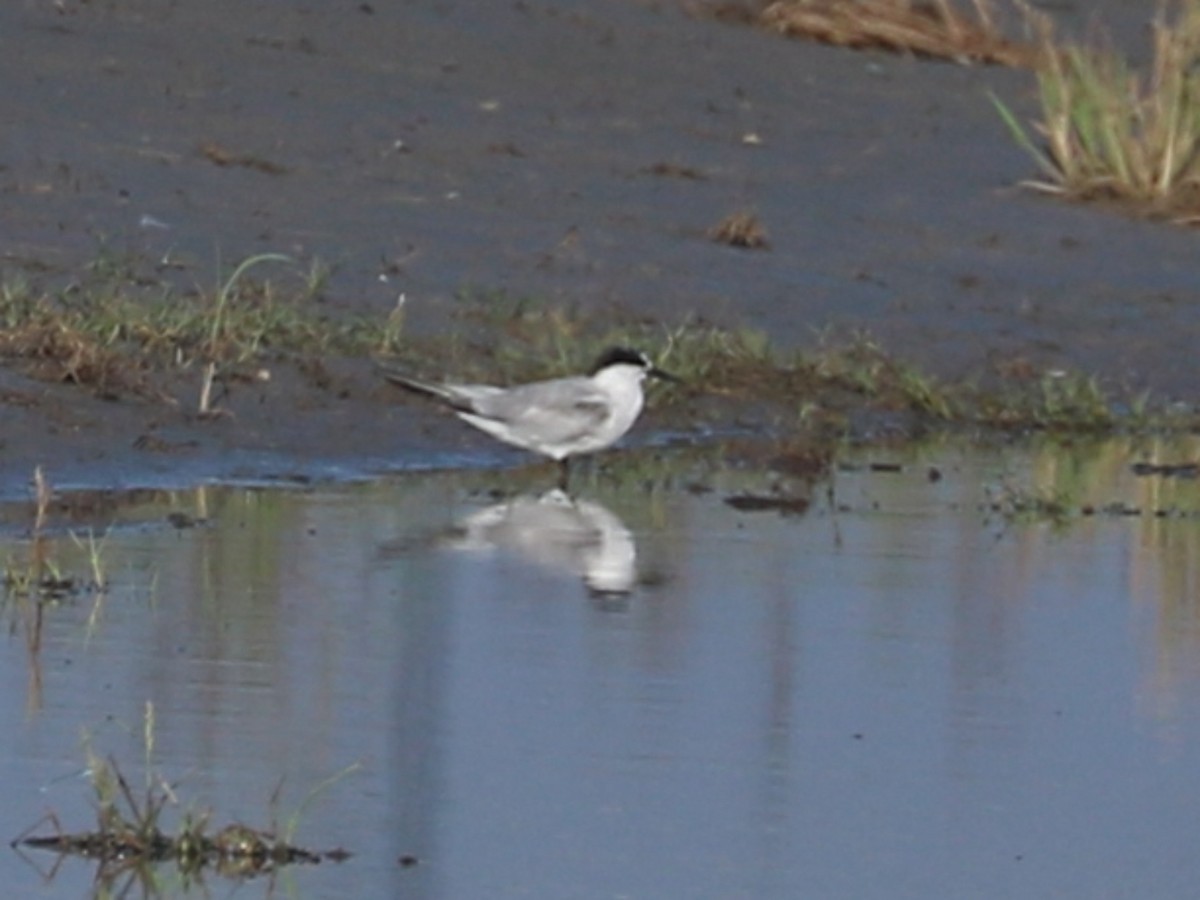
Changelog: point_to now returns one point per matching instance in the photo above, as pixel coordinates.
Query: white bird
(559, 418)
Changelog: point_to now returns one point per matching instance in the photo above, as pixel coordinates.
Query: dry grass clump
(1111, 132)
(741, 229)
(933, 28)
(56, 350)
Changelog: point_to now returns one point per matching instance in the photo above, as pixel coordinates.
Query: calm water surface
(645, 693)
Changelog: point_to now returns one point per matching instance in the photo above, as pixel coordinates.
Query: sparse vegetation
(109, 339)
(862, 367)
(741, 365)
(110, 334)
(1062, 401)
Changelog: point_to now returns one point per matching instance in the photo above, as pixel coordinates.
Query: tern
(559, 418)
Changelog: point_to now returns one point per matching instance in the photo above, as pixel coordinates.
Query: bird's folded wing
(551, 411)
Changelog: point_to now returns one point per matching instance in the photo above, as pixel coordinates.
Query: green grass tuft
(1108, 131)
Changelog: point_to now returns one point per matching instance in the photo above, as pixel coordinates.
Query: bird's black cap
(616, 356)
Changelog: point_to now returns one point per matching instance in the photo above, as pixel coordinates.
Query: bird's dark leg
(564, 474)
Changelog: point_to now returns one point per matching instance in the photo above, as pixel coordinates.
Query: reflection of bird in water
(560, 418)
(558, 532)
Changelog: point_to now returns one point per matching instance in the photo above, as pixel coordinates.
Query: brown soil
(578, 152)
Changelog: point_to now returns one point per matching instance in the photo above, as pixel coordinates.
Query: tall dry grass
(1109, 131)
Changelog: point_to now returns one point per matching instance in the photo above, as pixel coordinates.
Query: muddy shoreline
(577, 153)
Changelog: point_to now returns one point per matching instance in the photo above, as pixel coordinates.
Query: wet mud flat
(573, 153)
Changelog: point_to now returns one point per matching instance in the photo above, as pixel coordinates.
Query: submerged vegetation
(40, 576)
(132, 840)
(1074, 481)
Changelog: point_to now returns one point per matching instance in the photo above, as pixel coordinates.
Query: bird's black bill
(655, 372)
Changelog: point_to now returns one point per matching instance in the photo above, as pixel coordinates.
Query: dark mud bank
(573, 152)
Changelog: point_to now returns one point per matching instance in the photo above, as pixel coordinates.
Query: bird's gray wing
(560, 410)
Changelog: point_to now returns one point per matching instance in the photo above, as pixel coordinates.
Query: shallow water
(914, 692)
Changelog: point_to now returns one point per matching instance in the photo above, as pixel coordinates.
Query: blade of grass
(1022, 138)
(226, 291)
